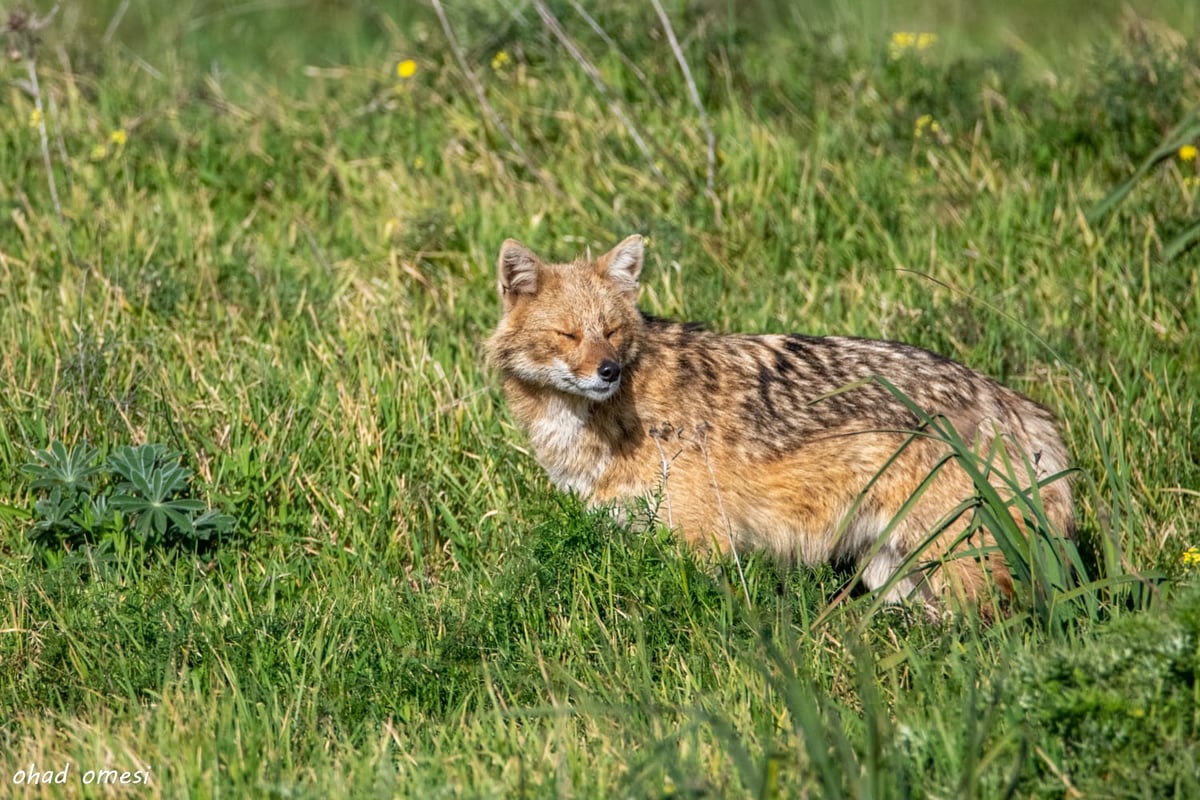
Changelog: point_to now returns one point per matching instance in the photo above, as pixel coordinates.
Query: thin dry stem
(114, 22)
(710, 165)
(24, 28)
(45, 138)
(665, 466)
(702, 440)
(626, 60)
(472, 79)
(59, 141)
(556, 28)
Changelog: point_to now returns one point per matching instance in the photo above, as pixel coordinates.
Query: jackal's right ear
(623, 264)
(517, 268)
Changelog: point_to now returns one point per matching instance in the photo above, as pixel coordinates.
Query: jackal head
(571, 327)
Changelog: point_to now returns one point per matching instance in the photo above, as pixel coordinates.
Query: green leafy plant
(143, 490)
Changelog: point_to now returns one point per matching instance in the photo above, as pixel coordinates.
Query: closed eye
(611, 332)
(568, 335)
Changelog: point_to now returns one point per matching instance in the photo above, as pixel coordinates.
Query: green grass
(285, 272)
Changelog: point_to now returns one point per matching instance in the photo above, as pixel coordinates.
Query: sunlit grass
(274, 254)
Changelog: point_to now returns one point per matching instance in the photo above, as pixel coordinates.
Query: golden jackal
(785, 443)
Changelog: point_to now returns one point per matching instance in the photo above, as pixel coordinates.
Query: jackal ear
(517, 270)
(623, 264)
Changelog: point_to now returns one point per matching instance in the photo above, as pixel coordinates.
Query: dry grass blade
(472, 79)
(629, 63)
(1183, 133)
(710, 139)
(24, 27)
(551, 22)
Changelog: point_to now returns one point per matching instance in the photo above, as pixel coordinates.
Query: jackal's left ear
(623, 264)
(517, 270)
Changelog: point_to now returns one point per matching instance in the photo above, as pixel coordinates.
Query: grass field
(262, 235)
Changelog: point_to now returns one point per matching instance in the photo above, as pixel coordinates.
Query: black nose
(609, 371)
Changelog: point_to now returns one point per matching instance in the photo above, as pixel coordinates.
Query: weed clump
(1121, 711)
(137, 495)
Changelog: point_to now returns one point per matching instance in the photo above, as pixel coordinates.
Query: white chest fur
(569, 451)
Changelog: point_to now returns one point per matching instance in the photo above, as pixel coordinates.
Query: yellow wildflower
(99, 152)
(118, 137)
(1191, 557)
(903, 41)
(391, 228)
(419, 162)
(35, 118)
(500, 61)
(406, 68)
(925, 124)
(1188, 152)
